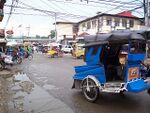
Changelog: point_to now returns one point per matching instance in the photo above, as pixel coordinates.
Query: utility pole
(146, 12)
(28, 31)
(55, 27)
(146, 16)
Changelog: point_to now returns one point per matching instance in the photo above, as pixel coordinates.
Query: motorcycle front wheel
(2, 66)
(19, 60)
(30, 57)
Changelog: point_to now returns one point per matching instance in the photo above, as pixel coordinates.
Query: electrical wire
(53, 4)
(105, 2)
(10, 13)
(119, 2)
(123, 6)
(74, 3)
(52, 12)
(59, 14)
(47, 14)
(68, 6)
(97, 3)
(27, 14)
(117, 7)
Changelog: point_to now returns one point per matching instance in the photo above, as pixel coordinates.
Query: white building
(64, 30)
(104, 23)
(101, 23)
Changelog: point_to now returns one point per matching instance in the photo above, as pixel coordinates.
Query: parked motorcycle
(9, 60)
(17, 59)
(5, 60)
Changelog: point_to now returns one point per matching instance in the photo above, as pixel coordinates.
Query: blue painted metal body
(97, 71)
(91, 58)
(93, 67)
(136, 57)
(136, 84)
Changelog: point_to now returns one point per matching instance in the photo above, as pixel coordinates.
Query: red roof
(83, 34)
(126, 13)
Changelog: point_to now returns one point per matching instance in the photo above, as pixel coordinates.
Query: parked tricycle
(78, 51)
(111, 69)
(55, 52)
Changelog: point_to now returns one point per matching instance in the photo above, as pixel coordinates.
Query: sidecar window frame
(95, 49)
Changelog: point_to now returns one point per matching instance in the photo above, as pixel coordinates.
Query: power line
(75, 3)
(10, 13)
(119, 2)
(97, 3)
(31, 14)
(47, 4)
(68, 6)
(52, 12)
(47, 14)
(27, 14)
(117, 7)
(60, 15)
(35, 3)
(106, 2)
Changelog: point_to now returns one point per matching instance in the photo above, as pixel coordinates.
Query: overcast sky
(42, 16)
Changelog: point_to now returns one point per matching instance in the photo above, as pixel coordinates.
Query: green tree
(52, 34)
(37, 36)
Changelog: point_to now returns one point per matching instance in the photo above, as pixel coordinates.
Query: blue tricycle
(113, 65)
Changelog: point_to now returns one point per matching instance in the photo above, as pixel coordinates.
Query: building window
(83, 25)
(124, 23)
(93, 23)
(95, 49)
(100, 22)
(88, 25)
(117, 22)
(131, 22)
(108, 22)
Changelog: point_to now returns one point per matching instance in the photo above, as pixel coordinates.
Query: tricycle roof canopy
(116, 37)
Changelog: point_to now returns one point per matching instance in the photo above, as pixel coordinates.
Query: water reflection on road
(22, 87)
(18, 94)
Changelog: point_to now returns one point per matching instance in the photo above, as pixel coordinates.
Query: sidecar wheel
(92, 93)
(148, 91)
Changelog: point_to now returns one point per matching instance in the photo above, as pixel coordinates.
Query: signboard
(1, 15)
(133, 73)
(10, 32)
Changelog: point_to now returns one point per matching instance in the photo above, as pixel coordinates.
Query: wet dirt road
(54, 75)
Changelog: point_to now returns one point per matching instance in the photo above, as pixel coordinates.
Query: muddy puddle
(18, 94)
(13, 91)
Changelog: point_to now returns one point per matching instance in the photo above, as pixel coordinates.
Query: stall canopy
(11, 43)
(53, 44)
(14, 43)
